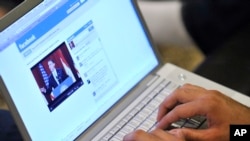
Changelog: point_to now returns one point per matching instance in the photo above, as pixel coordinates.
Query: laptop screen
(66, 62)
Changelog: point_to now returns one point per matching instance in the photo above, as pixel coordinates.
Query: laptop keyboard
(144, 115)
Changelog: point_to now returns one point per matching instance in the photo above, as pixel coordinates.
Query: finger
(191, 86)
(177, 97)
(139, 135)
(182, 111)
(163, 135)
(193, 134)
(177, 132)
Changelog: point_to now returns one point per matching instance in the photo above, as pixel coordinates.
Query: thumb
(189, 134)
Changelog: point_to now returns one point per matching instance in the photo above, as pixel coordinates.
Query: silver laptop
(86, 70)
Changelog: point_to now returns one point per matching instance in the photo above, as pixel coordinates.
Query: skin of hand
(155, 135)
(188, 101)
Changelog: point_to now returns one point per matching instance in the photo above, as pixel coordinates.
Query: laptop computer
(81, 69)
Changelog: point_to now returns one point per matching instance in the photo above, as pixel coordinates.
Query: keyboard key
(127, 129)
(199, 118)
(107, 136)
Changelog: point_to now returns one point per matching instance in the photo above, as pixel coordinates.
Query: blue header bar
(42, 28)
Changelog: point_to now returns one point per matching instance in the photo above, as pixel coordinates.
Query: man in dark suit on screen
(56, 77)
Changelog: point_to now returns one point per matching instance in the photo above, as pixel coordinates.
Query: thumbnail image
(56, 76)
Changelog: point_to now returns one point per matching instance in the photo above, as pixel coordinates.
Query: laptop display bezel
(17, 12)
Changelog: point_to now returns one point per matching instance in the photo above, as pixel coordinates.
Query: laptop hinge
(153, 80)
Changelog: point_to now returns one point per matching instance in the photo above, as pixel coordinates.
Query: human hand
(189, 100)
(155, 135)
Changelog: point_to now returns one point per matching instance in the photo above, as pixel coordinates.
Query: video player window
(57, 77)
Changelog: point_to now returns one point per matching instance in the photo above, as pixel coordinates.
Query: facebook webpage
(74, 65)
